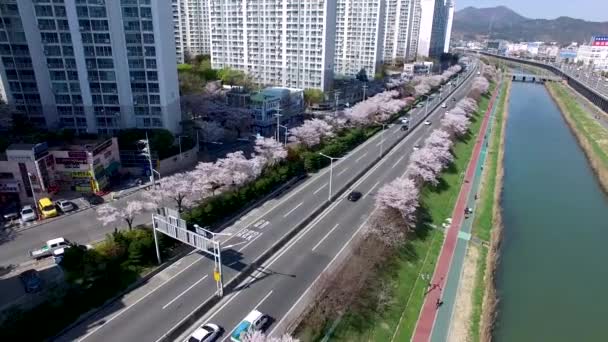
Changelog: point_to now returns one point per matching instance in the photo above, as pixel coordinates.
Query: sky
(592, 10)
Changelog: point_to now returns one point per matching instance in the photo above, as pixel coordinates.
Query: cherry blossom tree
(311, 132)
(467, 104)
(237, 168)
(211, 131)
(479, 87)
(422, 89)
(425, 166)
(270, 150)
(440, 139)
(180, 188)
(108, 214)
(400, 194)
(455, 124)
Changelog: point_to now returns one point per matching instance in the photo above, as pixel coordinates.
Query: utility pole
(364, 91)
(29, 178)
(331, 171)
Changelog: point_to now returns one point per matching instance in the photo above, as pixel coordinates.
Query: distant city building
(418, 68)
(594, 55)
(287, 43)
(436, 18)
(91, 66)
(191, 25)
(359, 36)
(37, 170)
(497, 46)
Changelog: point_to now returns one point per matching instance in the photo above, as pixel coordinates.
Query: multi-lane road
(150, 312)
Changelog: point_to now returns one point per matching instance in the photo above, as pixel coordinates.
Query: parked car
(47, 208)
(93, 199)
(65, 206)
(31, 280)
(205, 333)
(354, 196)
(28, 214)
(255, 320)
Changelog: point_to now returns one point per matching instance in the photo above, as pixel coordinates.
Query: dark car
(404, 127)
(93, 199)
(31, 281)
(354, 196)
(454, 99)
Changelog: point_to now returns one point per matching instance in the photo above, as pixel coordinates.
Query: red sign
(600, 41)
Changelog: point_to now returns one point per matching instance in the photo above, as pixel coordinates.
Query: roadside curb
(130, 288)
(229, 286)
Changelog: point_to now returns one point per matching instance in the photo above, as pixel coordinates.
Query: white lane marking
(294, 209)
(398, 161)
(250, 242)
(325, 237)
(363, 155)
(184, 292)
(372, 189)
(234, 244)
(319, 189)
(139, 300)
(322, 272)
(341, 172)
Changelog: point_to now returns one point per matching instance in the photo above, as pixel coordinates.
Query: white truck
(48, 249)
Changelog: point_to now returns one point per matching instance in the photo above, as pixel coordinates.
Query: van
(47, 208)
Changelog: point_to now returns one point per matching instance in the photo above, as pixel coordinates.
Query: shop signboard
(9, 186)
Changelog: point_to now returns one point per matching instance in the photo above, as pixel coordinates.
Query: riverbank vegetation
(591, 135)
(377, 295)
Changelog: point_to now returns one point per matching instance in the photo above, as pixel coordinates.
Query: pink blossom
(311, 132)
(455, 124)
(270, 150)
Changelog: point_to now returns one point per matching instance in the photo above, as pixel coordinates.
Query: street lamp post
(147, 152)
(179, 138)
(331, 170)
(278, 115)
(364, 90)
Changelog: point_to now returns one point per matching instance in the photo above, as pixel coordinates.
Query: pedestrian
(439, 303)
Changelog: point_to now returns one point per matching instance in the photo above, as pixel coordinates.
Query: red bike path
(426, 320)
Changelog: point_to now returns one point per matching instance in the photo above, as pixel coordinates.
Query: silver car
(28, 214)
(206, 333)
(65, 206)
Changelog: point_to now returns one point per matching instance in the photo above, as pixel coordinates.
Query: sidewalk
(428, 314)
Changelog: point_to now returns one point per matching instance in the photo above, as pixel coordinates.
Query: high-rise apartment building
(191, 24)
(290, 43)
(359, 36)
(435, 27)
(94, 66)
(401, 30)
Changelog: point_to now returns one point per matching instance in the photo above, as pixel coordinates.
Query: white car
(444, 105)
(427, 122)
(404, 120)
(64, 205)
(416, 147)
(205, 333)
(28, 214)
(255, 320)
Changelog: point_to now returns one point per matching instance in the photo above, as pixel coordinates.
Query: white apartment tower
(435, 27)
(401, 30)
(359, 36)
(94, 66)
(289, 43)
(191, 23)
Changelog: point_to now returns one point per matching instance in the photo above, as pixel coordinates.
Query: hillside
(503, 23)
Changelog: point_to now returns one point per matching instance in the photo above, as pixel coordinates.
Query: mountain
(503, 23)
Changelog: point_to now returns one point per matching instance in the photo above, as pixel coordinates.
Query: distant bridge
(534, 78)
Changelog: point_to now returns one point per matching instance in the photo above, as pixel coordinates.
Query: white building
(592, 56)
(402, 24)
(92, 66)
(191, 24)
(359, 36)
(289, 43)
(435, 27)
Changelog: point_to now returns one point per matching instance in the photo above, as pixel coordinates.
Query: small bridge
(534, 78)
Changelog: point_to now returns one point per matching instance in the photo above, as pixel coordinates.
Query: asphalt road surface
(149, 315)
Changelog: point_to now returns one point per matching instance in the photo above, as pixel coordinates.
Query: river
(553, 272)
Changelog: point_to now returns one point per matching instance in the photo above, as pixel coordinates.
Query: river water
(553, 272)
